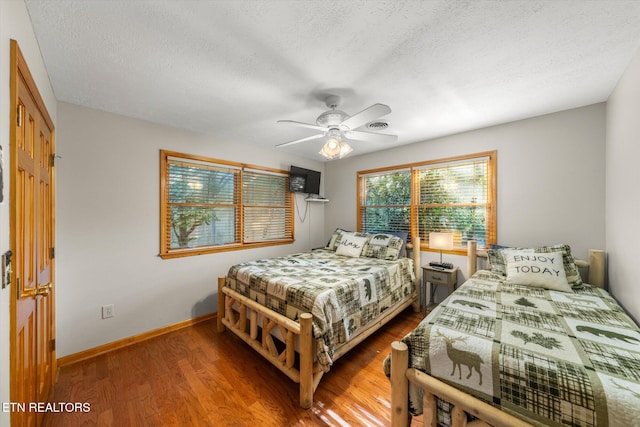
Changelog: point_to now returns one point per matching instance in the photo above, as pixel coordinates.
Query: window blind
(203, 202)
(386, 201)
(266, 202)
(453, 198)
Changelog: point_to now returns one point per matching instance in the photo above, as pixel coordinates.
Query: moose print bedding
(551, 358)
(344, 294)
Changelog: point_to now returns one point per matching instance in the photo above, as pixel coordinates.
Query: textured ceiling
(233, 68)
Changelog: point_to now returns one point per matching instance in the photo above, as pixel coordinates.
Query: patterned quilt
(344, 294)
(550, 358)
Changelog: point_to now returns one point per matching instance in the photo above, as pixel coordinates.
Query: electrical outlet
(108, 311)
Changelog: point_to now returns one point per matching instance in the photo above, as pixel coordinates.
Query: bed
(304, 311)
(498, 353)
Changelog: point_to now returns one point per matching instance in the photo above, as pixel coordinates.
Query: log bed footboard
(307, 375)
(462, 402)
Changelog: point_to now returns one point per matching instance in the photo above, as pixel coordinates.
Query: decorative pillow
(383, 246)
(404, 235)
(570, 267)
(498, 263)
(337, 236)
(538, 269)
(497, 258)
(351, 245)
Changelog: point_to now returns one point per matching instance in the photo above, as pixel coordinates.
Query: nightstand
(436, 276)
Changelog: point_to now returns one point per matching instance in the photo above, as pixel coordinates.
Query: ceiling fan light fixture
(335, 146)
(330, 149)
(344, 149)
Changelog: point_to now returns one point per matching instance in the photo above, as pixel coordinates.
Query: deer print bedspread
(550, 358)
(344, 294)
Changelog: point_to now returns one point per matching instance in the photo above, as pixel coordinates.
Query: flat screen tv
(303, 180)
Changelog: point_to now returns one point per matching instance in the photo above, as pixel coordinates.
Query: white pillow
(351, 245)
(541, 270)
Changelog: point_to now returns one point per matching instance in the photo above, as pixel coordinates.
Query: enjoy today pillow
(498, 261)
(351, 245)
(542, 270)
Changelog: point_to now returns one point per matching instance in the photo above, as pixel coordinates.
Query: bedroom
(98, 262)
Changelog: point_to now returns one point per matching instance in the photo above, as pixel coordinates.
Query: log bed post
(417, 269)
(596, 268)
(306, 360)
(399, 384)
(221, 310)
(472, 265)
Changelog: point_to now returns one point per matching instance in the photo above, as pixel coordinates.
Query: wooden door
(32, 242)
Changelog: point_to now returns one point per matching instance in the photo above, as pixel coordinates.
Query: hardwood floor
(198, 377)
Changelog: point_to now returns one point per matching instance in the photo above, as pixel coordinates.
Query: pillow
(498, 262)
(540, 270)
(383, 246)
(494, 246)
(351, 245)
(337, 236)
(404, 235)
(497, 258)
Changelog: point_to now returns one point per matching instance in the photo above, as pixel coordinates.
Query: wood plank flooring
(198, 377)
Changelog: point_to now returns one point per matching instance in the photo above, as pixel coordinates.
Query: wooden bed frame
(462, 402)
(306, 372)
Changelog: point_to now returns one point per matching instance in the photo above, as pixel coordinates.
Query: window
(386, 202)
(209, 205)
(455, 195)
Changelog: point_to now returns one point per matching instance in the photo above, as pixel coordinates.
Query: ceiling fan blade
(365, 116)
(309, 138)
(370, 137)
(304, 125)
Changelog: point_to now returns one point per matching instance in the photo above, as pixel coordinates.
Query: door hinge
(19, 116)
(53, 160)
(52, 253)
(52, 345)
(18, 290)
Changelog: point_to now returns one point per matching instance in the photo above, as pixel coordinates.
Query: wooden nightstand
(435, 276)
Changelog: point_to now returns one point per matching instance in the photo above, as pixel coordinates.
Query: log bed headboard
(595, 264)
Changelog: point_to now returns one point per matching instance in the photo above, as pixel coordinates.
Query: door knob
(43, 290)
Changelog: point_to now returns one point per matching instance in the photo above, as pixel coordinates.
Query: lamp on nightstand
(442, 241)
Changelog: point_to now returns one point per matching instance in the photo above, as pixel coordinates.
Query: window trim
(167, 253)
(492, 225)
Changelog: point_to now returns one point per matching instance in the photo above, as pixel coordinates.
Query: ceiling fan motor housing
(332, 118)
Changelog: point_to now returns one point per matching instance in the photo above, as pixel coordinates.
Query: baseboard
(105, 348)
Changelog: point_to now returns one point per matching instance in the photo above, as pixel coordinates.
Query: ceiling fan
(337, 126)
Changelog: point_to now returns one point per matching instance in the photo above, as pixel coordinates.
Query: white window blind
(453, 198)
(266, 202)
(203, 202)
(386, 201)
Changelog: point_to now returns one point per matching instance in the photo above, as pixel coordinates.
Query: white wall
(550, 179)
(623, 192)
(108, 226)
(14, 24)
